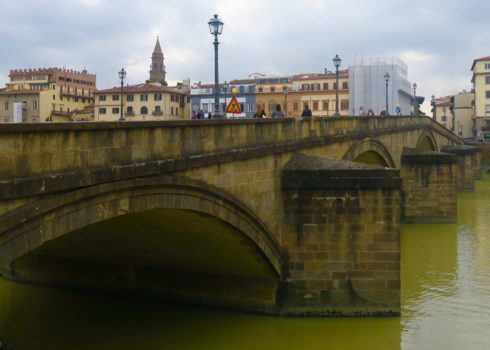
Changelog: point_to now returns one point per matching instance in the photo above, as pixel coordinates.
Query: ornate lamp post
(285, 91)
(433, 103)
(225, 91)
(216, 28)
(336, 62)
(122, 76)
(415, 99)
(387, 79)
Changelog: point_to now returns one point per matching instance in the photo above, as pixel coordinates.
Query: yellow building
(149, 101)
(481, 89)
(46, 94)
(294, 93)
(153, 100)
(456, 113)
(318, 91)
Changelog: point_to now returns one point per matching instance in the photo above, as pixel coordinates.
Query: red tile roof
(19, 92)
(486, 58)
(147, 87)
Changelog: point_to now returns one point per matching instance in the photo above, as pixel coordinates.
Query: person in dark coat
(306, 112)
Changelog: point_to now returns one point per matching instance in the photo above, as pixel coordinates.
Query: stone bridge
(292, 217)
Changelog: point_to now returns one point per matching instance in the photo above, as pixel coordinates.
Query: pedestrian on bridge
(306, 112)
(277, 113)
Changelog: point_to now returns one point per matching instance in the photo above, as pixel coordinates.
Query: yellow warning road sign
(233, 106)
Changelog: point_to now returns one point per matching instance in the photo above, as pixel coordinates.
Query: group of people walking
(278, 113)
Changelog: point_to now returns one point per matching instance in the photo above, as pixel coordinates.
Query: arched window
(144, 110)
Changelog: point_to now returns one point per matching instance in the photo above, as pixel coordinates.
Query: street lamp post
(216, 28)
(122, 76)
(415, 98)
(433, 103)
(336, 62)
(225, 90)
(387, 79)
(285, 91)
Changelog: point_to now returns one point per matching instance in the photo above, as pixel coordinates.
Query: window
(115, 110)
(241, 89)
(102, 111)
(325, 105)
(61, 89)
(102, 97)
(335, 86)
(171, 110)
(315, 86)
(6, 106)
(315, 105)
(487, 65)
(250, 107)
(273, 89)
(158, 109)
(144, 110)
(325, 86)
(305, 87)
(130, 97)
(176, 110)
(144, 97)
(345, 86)
(295, 106)
(272, 107)
(34, 104)
(344, 105)
(487, 94)
(54, 97)
(115, 97)
(158, 96)
(261, 89)
(172, 98)
(129, 110)
(250, 88)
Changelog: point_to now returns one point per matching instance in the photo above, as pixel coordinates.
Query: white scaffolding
(368, 85)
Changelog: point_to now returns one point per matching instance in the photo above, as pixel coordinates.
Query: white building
(368, 86)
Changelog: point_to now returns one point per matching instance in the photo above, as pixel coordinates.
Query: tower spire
(157, 68)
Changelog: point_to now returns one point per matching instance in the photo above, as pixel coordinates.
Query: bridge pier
(341, 234)
(468, 166)
(428, 187)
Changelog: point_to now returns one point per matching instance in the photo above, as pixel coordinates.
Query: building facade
(318, 91)
(47, 95)
(202, 98)
(153, 100)
(368, 86)
(149, 101)
(481, 89)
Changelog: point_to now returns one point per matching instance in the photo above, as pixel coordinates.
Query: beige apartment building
(294, 93)
(47, 95)
(481, 89)
(149, 101)
(456, 113)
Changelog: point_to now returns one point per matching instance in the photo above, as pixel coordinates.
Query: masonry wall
(344, 251)
(429, 188)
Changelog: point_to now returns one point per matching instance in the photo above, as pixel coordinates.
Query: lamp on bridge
(387, 79)
(226, 85)
(216, 28)
(122, 76)
(415, 98)
(285, 92)
(336, 62)
(433, 104)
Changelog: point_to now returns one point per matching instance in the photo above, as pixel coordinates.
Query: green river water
(445, 305)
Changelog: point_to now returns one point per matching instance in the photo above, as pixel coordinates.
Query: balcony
(157, 114)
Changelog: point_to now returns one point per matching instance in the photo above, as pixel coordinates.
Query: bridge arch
(43, 222)
(426, 141)
(370, 151)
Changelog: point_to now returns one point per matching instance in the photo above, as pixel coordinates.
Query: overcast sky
(437, 39)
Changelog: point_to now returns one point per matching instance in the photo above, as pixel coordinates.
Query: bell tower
(157, 68)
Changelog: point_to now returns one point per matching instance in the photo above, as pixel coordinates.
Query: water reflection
(445, 305)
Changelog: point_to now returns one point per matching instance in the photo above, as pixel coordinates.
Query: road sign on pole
(233, 107)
